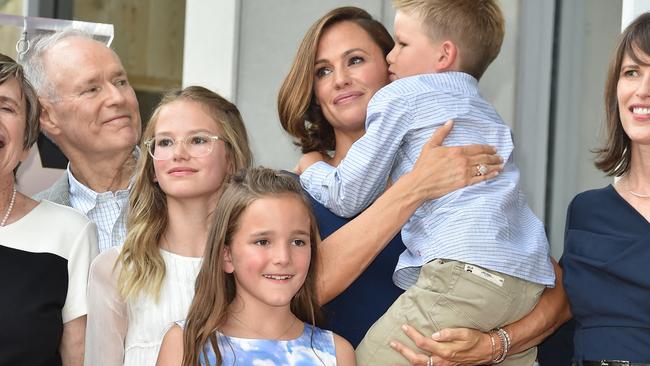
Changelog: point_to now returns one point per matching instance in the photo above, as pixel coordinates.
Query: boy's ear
(227, 260)
(447, 57)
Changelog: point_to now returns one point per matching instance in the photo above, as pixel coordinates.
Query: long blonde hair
(142, 266)
(215, 289)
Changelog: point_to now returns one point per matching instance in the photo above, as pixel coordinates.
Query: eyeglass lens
(163, 148)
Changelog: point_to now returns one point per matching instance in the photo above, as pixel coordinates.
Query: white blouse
(130, 333)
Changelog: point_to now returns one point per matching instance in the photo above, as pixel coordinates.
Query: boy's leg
(450, 294)
(528, 298)
(410, 308)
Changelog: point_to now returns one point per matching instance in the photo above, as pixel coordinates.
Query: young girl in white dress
(193, 143)
(255, 299)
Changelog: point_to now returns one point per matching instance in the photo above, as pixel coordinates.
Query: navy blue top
(356, 309)
(606, 264)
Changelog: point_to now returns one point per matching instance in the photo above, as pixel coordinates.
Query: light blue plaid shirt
(488, 224)
(106, 209)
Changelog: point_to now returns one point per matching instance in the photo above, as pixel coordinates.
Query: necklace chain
(635, 194)
(640, 195)
(293, 321)
(10, 208)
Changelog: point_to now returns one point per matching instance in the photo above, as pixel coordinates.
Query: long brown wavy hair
(215, 289)
(142, 266)
(299, 113)
(614, 157)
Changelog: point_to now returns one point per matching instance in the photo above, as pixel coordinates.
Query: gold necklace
(264, 336)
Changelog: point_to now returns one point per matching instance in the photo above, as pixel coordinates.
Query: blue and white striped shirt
(488, 224)
(107, 210)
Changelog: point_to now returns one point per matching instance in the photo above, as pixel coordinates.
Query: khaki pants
(450, 294)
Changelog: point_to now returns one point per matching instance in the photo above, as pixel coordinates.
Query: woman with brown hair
(339, 66)
(607, 242)
(194, 142)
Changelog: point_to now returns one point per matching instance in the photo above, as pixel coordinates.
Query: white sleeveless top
(130, 333)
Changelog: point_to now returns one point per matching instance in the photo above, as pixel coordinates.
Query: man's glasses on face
(197, 145)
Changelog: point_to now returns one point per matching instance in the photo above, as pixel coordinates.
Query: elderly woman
(322, 103)
(45, 248)
(607, 244)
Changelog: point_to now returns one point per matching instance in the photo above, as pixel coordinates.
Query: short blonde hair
(476, 27)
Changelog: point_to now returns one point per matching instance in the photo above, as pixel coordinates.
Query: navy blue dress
(355, 310)
(606, 264)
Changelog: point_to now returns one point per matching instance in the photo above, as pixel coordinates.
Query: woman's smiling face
(13, 113)
(633, 92)
(350, 68)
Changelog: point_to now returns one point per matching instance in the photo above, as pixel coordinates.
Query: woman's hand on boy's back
(443, 169)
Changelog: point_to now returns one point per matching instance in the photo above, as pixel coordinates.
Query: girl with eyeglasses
(193, 143)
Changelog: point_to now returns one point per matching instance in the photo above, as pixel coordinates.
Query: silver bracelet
(507, 336)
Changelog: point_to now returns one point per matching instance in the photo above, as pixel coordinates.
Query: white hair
(32, 60)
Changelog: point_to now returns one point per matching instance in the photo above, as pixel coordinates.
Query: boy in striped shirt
(477, 257)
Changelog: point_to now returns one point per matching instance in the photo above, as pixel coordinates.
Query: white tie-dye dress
(315, 346)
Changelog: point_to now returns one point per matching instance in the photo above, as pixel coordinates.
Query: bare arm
(344, 352)
(171, 350)
(464, 347)
(439, 170)
(549, 314)
(72, 342)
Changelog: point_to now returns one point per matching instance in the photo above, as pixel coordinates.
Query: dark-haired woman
(607, 244)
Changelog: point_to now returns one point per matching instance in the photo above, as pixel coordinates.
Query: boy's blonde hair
(476, 27)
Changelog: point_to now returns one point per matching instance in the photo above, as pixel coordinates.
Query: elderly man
(90, 111)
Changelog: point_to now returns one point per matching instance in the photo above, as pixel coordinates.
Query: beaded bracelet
(505, 338)
(494, 346)
(496, 357)
(508, 342)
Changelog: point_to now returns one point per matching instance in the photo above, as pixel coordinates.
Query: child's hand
(308, 160)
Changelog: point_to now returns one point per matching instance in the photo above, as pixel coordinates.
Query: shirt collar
(85, 199)
(454, 80)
